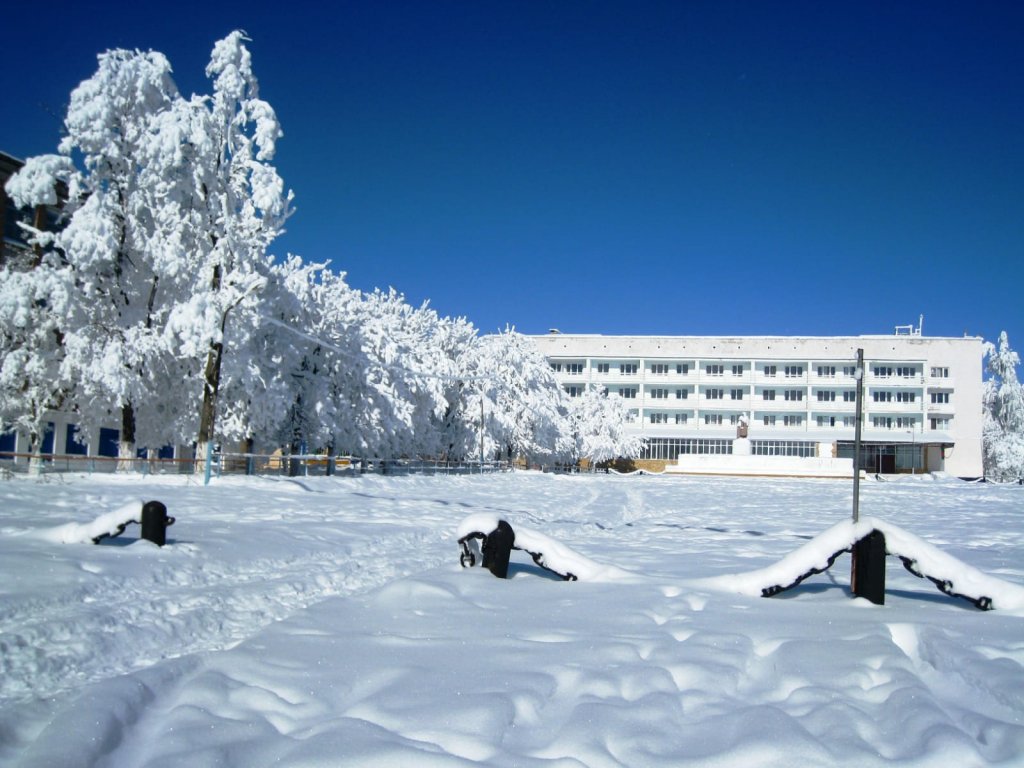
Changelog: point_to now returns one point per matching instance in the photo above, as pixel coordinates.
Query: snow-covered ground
(326, 622)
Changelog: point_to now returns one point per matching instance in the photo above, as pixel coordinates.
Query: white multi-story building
(922, 397)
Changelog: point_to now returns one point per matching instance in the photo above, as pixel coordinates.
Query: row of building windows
(669, 448)
(769, 395)
(739, 369)
(874, 457)
(846, 421)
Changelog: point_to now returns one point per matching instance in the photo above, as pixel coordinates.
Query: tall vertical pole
(858, 423)
(481, 428)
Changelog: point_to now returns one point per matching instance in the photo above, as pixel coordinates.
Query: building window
(849, 396)
(906, 422)
(682, 368)
(794, 395)
(659, 394)
(681, 418)
(659, 369)
(576, 368)
(736, 394)
(850, 370)
(881, 422)
(940, 373)
(627, 392)
(771, 370)
(659, 418)
(906, 397)
(735, 418)
(603, 367)
(940, 398)
(670, 448)
(826, 396)
(941, 422)
(769, 420)
(628, 369)
(737, 370)
(794, 371)
(574, 391)
(849, 421)
(827, 371)
(792, 420)
(682, 394)
(782, 448)
(881, 397)
(768, 394)
(907, 372)
(556, 367)
(714, 394)
(826, 421)
(882, 371)
(712, 418)
(714, 369)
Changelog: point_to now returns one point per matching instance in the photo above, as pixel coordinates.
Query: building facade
(922, 397)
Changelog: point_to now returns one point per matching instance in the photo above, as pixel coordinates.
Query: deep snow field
(327, 622)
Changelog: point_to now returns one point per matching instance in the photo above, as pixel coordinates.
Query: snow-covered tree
(1003, 430)
(240, 207)
(114, 335)
(34, 297)
(385, 371)
(271, 368)
(600, 430)
(524, 412)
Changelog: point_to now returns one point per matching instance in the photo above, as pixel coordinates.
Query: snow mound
(108, 524)
(952, 576)
(546, 552)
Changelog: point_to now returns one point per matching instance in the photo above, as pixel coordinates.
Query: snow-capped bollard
(497, 548)
(155, 522)
(869, 568)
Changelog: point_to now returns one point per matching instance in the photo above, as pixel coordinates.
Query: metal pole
(481, 429)
(859, 374)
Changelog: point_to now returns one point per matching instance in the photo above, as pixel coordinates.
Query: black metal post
(497, 548)
(155, 522)
(869, 568)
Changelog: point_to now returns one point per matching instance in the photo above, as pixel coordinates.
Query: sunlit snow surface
(325, 622)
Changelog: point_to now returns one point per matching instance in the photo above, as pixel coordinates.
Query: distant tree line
(157, 304)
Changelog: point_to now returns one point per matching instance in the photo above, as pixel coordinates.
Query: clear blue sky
(638, 167)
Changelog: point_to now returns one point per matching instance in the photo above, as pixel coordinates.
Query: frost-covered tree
(32, 309)
(272, 368)
(1003, 429)
(600, 431)
(385, 371)
(113, 332)
(239, 208)
(34, 297)
(524, 412)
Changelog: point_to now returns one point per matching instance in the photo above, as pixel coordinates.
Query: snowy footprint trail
(127, 604)
(331, 623)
